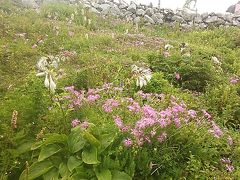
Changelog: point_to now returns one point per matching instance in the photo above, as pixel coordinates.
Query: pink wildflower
(230, 140)
(75, 122)
(177, 75)
(109, 104)
(92, 98)
(118, 121)
(34, 46)
(84, 125)
(162, 137)
(229, 167)
(127, 142)
(234, 80)
(216, 131)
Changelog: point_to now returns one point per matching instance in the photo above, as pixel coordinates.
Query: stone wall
(153, 15)
(150, 15)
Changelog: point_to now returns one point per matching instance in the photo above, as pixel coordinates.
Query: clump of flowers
(228, 164)
(75, 122)
(143, 75)
(46, 66)
(234, 80)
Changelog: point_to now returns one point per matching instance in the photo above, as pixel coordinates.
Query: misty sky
(202, 5)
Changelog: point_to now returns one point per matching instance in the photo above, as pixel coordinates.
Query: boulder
(149, 11)
(132, 7)
(149, 19)
(140, 12)
(177, 18)
(211, 19)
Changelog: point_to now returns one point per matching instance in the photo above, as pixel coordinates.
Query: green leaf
(48, 150)
(73, 162)
(24, 147)
(63, 170)
(36, 145)
(51, 175)
(89, 156)
(36, 169)
(91, 139)
(104, 174)
(53, 138)
(106, 140)
(118, 175)
(75, 141)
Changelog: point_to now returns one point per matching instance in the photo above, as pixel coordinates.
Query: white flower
(52, 84)
(216, 61)
(143, 75)
(46, 81)
(41, 74)
(168, 47)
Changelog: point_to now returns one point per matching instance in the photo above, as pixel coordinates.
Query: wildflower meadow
(89, 97)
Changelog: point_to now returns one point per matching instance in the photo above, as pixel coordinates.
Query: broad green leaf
(37, 169)
(89, 156)
(48, 150)
(24, 147)
(36, 145)
(75, 140)
(106, 140)
(51, 175)
(63, 170)
(53, 138)
(118, 175)
(104, 174)
(73, 162)
(91, 139)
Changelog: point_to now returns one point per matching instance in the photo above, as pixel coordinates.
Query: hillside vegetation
(87, 97)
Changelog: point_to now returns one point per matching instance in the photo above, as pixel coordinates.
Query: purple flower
(84, 125)
(75, 122)
(215, 130)
(206, 114)
(177, 75)
(229, 167)
(192, 113)
(230, 140)
(162, 137)
(127, 142)
(109, 104)
(234, 80)
(118, 121)
(177, 122)
(92, 98)
(148, 111)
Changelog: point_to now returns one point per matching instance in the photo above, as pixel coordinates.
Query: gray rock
(94, 10)
(140, 12)
(104, 7)
(123, 6)
(198, 19)
(177, 18)
(132, 7)
(149, 19)
(149, 11)
(204, 16)
(137, 20)
(211, 19)
(159, 15)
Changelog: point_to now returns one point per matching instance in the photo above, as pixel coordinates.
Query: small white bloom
(52, 84)
(168, 47)
(46, 81)
(41, 74)
(216, 61)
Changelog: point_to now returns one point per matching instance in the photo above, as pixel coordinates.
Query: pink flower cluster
(234, 80)
(83, 125)
(152, 122)
(109, 104)
(228, 164)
